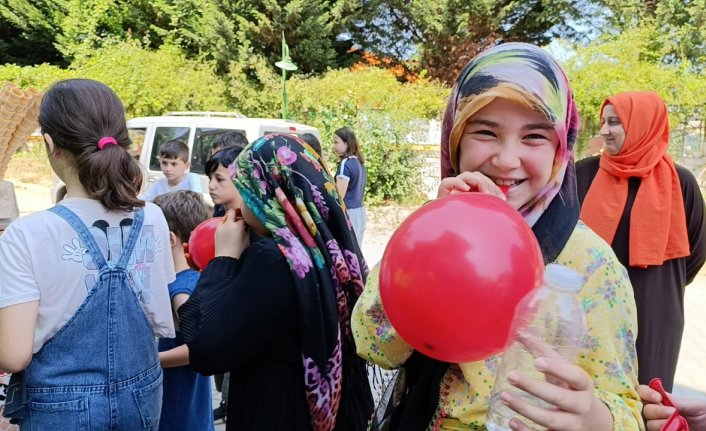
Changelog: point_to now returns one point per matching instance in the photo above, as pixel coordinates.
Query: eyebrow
(530, 126)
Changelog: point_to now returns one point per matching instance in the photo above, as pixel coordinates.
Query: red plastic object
(675, 422)
(453, 273)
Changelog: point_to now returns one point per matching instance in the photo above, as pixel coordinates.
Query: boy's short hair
(230, 139)
(224, 158)
(175, 149)
(184, 210)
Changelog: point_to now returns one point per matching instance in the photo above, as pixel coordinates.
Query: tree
(680, 26)
(27, 31)
(442, 36)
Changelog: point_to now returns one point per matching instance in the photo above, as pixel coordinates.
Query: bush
(382, 112)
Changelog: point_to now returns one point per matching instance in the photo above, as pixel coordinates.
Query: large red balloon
(202, 246)
(453, 273)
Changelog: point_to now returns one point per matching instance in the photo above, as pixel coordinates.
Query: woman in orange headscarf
(652, 213)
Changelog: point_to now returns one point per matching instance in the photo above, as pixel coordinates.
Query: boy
(220, 184)
(174, 163)
(230, 139)
(186, 401)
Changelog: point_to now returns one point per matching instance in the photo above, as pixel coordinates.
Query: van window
(162, 135)
(137, 137)
(203, 141)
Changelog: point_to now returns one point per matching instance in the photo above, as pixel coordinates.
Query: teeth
(501, 182)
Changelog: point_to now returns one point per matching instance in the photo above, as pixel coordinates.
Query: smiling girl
(510, 125)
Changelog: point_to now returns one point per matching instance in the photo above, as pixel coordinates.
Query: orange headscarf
(657, 221)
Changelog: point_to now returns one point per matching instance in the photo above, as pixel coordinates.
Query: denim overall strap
(90, 242)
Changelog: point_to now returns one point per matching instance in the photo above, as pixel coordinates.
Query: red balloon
(202, 246)
(454, 271)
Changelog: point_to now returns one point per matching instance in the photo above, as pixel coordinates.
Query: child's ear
(174, 239)
(188, 165)
(52, 149)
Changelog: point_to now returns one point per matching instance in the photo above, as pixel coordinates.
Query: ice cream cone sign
(19, 111)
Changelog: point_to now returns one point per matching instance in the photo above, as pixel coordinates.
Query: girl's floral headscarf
(527, 75)
(285, 184)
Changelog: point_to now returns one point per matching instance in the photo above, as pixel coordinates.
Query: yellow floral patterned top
(608, 353)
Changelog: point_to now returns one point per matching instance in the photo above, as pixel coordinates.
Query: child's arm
(375, 338)
(176, 357)
(17, 325)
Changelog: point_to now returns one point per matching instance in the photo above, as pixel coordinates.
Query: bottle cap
(562, 278)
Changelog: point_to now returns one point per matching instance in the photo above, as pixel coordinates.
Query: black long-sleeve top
(243, 318)
(659, 290)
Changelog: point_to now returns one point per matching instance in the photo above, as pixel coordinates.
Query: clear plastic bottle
(553, 315)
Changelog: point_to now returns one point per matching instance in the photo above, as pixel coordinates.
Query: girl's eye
(483, 133)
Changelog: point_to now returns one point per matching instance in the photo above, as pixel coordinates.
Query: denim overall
(101, 370)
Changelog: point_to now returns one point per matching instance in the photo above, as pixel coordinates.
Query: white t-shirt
(42, 259)
(191, 182)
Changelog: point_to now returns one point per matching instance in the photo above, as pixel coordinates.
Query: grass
(30, 165)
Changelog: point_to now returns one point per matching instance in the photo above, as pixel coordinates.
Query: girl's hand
(232, 236)
(694, 411)
(568, 388)
(576, 407)
(467, 182)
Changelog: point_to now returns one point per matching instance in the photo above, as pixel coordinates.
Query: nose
(211, 184)
(507, 156)
(604, 129)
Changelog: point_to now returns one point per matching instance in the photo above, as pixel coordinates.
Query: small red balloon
(453, 273)
(202, 246)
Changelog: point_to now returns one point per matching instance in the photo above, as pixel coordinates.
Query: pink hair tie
(105, 141)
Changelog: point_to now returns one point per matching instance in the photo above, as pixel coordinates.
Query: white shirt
(191, 182)
(42, 259)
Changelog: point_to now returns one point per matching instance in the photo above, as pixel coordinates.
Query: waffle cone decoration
(19, 112)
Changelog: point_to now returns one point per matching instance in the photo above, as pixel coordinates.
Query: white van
(197, 130)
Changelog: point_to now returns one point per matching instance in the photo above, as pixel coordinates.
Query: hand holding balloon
(453, 272)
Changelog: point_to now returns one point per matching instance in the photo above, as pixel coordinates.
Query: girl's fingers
(567, 400)
(551, 419)
(648, 394)
(560, 369)
(657, 411)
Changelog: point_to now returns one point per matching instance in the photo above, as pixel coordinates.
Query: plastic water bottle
(551, 315)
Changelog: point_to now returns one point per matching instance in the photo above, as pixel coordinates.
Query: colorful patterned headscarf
(527, 75)
(285, 184)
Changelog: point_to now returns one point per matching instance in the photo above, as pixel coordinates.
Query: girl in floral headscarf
(273, 308)
(509, 130)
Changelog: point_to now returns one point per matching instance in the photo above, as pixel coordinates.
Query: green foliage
(382, 112)
(39, 77)
(394, 169)
(680, 25)
(148, 82)
(153, 82)
(28, 31)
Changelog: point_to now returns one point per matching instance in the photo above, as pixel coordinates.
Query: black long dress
(659, 290)
(243, 318)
